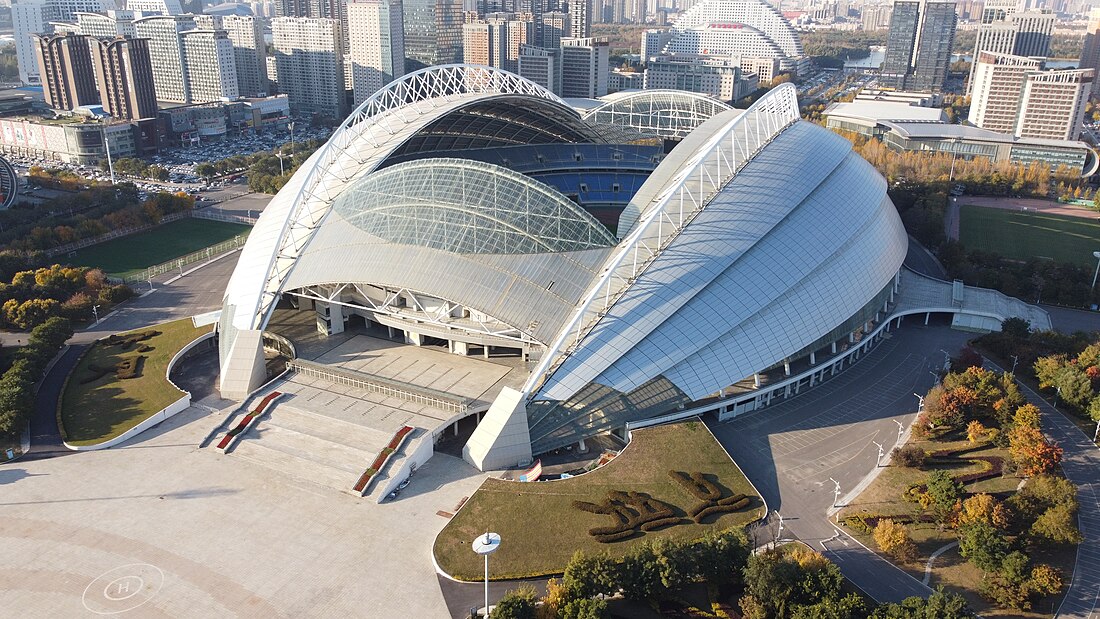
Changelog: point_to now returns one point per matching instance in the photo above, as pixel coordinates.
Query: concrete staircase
(311, 447)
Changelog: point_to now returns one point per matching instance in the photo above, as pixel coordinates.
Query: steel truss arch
(715, 164)
(412, 96)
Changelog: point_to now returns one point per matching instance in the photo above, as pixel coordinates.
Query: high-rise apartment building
(710, 76)
(113, 24)
(309, 54)
(580, 18)
(584, 67)
(148, 8)
(210, 66)
(654, 42)
(875, 16)
(125, 77)
(376, 41)
(1052, 105)
(998, 83)
(541, 66)
(918, 46)
(31, 17)
(166, 54)
(1006, 28)
(555, 27)
(1090, 53)
(65, 64)
(496, 41)
(433, 32)
(246, 34)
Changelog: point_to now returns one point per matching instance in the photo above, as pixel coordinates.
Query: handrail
(379, 384)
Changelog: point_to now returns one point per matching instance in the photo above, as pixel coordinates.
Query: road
(791, 450)
(919, 259)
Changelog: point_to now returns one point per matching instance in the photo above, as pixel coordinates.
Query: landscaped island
(121, 381)
(650, 491)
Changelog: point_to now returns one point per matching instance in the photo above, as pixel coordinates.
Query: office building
(65, 64)
(376, 43)
(30, 17)
(541, 66)
(1052, 105)
(1090, 53)
(166, 54)
(580, 18)
(707, 76)
(246, 34)
(555, 27)
(654, 42)
(918, 46)
(584, 67)
(125, 77)
(210, 66)
(148, 8)
(309, 54)
(1006, 28)
(997, 89)
(433, 32)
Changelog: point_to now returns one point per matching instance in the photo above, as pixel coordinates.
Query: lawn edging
(172, 409)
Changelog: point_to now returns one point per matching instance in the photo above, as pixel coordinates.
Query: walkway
(792, 449)
(1081, 464)
(919, 294)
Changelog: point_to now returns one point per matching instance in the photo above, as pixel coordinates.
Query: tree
(910, 456)
(554, 602)
(1047, 369)
(770, 583)
(1045, 580)
(516, 604)
(1057, 525)
(722, 556)
(939, 605)
(850, 606)
(1042, 492)
(983, 508)
(983, 545)
(1031, 451)
(975, 431)
(639, 574)
(1016, 328)
(586, 609)
(1027, 415)
(1074, 386)
(893, 539)
(943, 491)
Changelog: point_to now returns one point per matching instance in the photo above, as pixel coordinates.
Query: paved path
(922, 261)
(951, 219)
(1029, 204)
(791, 450)
(1081, 463)
(45, 436)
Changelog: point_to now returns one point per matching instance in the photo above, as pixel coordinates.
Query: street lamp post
(878, 463)
(901, 428)
(1096, 254)
(836, 491)
(280, 156)
(920, 405)
(485, 545)
(1015, 360)
(779, 531)
(935, 378)
(95, 313)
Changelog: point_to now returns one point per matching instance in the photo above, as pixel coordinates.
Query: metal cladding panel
(748, 210)
(815, 230)
(511, 288)
(828, 296)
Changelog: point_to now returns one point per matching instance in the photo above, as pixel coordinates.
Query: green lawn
(540, 529)
(136, 252)
(1021, 236)
(100, 410)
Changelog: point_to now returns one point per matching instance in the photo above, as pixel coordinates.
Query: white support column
(485, 351)
(414, 338)
(852, 337)
(460, 348)
(927, 315)
(786, 367)
(756, 380)
(813, 357)
(834, 347)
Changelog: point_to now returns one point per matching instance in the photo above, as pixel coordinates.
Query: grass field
(134, 253)
(1021, 236)
(102, 409)
(540, 529)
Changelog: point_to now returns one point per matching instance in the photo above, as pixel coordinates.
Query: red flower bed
(381, 459)
(248, 419)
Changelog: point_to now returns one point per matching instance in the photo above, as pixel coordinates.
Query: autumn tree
(975, 431)
(893, 539)
(985, 509)
(1031, 451)
(1058, 525)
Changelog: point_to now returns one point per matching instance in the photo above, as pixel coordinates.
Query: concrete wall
(422, 449)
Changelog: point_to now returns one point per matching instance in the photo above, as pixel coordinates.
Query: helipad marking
(124, 588)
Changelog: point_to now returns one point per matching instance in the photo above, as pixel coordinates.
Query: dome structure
(737, 28)
(757, 238)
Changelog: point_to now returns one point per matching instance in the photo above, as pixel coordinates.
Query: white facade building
(997, 86)
(309, 54)
(210, 66)
(376, 41)
(1052, 105)
(584, 67)
(246, 33)
(166, 54)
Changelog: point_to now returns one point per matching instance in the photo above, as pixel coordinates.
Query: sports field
(1024, 235)
(130, 254)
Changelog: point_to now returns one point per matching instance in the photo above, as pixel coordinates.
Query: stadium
(659, 252)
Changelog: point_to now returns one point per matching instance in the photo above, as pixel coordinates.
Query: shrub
(516, 604)
(129, 368)
(585, 609)
(893, 539)
(909, 456)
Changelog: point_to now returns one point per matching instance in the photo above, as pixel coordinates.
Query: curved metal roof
(9, 184)
(378, 127)
(665, 113)
(468, 207)
(756, 13)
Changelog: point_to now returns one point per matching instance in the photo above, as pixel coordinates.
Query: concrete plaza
(164, 529)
